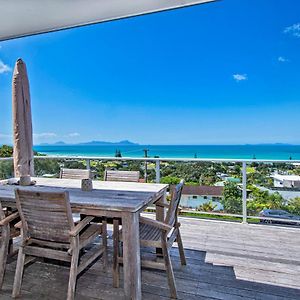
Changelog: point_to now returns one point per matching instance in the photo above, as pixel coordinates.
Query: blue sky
(222, 73)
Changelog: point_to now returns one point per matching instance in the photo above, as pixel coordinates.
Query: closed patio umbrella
(22, 125)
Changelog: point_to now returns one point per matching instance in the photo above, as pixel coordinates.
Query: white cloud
(73, 134)
(282, 59)
(3, 135)
(4, 68)
(240, 77)
(53, 135)
(45, 135)
(294, 30)
(41, 137)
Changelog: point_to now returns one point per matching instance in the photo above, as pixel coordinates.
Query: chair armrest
(156, 223)
(177, 224)
(81, 225)
(9, 219)
(162, 204)
(18, 225)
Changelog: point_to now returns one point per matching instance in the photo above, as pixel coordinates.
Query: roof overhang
(20, 18)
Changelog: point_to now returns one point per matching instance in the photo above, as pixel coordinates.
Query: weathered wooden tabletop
(106, 195)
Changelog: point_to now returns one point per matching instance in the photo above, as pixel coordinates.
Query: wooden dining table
(124, 200)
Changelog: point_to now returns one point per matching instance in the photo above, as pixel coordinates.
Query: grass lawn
(199, 215)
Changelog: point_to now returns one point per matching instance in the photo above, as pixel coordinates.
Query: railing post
(88, 164)
(244, 171)
(157, 171)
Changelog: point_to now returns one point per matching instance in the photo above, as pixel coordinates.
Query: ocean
(279, 151)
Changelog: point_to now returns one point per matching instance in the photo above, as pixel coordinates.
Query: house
(223, 176)
(194, 196)
(286, 181)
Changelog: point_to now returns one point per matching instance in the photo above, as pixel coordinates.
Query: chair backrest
(126, 176)
(171, 217)
(74, 173)
(2, 214)
(45, 215)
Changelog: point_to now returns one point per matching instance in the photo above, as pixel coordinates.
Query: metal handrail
(235, 160)
(153, 159)
(158, 160)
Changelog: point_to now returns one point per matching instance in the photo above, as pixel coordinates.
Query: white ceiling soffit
(27, 17)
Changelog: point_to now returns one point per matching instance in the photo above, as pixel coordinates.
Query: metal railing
(244, 162)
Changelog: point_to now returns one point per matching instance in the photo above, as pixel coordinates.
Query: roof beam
(20, 18)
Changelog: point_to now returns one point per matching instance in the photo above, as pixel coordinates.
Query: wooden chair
(125, 176)
(48, 231)
(5, 237)
(75, 173)
(158, 235)
(121, 176)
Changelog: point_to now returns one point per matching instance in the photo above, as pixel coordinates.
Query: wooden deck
(225, 261)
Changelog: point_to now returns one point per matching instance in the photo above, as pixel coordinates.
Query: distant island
(101, 143)
(94, 143)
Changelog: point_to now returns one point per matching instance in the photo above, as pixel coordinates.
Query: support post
(146, 169)
(244, 172)
(157, 171)
(88, 164)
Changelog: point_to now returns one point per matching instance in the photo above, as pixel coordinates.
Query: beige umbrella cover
(22, 125)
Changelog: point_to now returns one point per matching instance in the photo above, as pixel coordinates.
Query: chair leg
(73, 270)
(116, 267)
(3, 252)
(10, 247)
(104, 243)
(181, 249)
(169, 269)
(19, 273)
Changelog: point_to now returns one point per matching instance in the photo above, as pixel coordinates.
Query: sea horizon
(278, 151)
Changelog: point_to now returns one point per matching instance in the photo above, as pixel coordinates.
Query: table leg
(131, 256)
(160, 216)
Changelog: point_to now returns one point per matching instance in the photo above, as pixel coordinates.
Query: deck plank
(228, 261)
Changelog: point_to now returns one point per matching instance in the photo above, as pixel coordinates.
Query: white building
(195, 196)
(287, 181)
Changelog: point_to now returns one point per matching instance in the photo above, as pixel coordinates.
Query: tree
(296, 171)
(208, 206)
(262, 199)
(47, 166)
(170, 180)
(232, 198)
(6, 167)
(118, 153)
(6, 151)
(294, 206)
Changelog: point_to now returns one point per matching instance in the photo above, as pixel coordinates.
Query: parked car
(279, 214)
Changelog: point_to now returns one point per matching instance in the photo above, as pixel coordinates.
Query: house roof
(202, 190)
(286, 177)
(22, 18)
